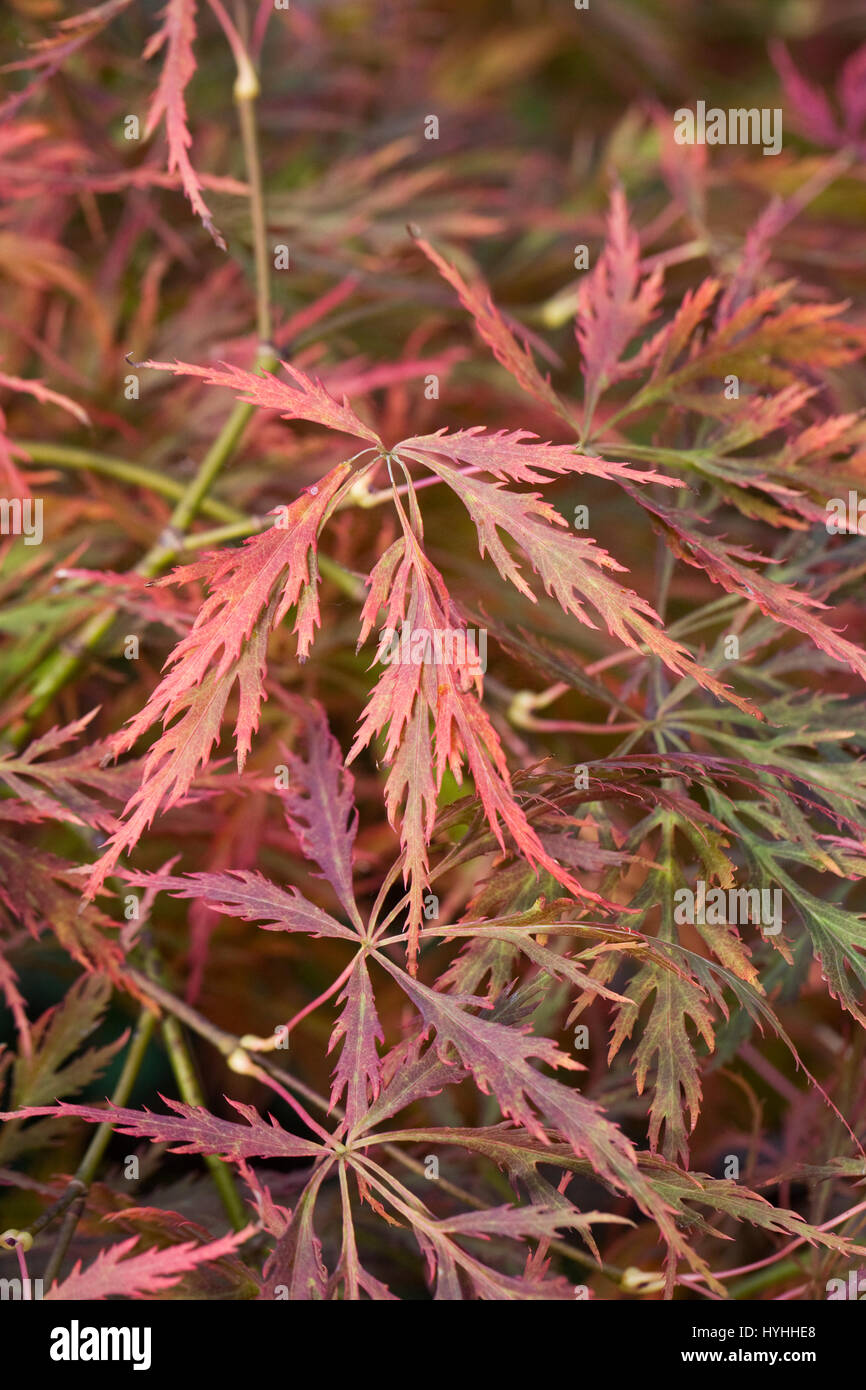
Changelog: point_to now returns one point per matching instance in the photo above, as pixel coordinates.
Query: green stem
(64, 456)
(60, 667)
(236, 526)
(232, 531)
(217, 455)
(246, 92)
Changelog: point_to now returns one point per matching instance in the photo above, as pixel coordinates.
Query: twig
(66, 456)
(90, 1163)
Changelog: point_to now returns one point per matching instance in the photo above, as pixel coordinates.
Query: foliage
(398, 979)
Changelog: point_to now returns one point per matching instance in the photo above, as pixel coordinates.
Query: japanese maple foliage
(427, 969)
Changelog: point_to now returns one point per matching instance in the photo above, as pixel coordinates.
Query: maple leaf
(45, 395)
(295, 1270)
(614, 304)
(447, 1261)
(248, 894)
(319, 804)
(502, 939)
(513, 355)
(173, 761)
(813, 111)
(509, 455)
(41, 891)
(768, 344)
(777, 830)
(763, 415)
(521, 1151)
(444, 1261)
(666, 346)
(134, 593)
(116, 1273)
(411, 1073)
(680, 998)
(571, 569)
(498, 1057)
(50, 54)
(250, 591)
(521, 1155)
(666, 1039)
(160, 1229)
(733, 1199)
(58, 1034)
(756, 251)
(838, 935)
(177, 34)
(359, 1068)
(754, 337)
(306, 399)
(704, 982)
(727, 565)
(405, 699)
(10, 452)
(695, 789)
(519, 1223)
(16, 1004)
(192, 1129)
(835, 433)
(350, 1270)
(56, 789)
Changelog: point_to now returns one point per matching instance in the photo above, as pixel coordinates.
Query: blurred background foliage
(539, 107)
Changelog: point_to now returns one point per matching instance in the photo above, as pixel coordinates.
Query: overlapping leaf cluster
(463, 883)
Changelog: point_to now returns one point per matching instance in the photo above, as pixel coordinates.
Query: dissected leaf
(151, 1272)
(176, 35)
